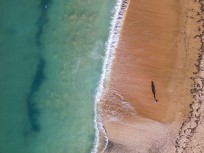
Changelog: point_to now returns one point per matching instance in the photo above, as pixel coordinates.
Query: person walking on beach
(153, 91)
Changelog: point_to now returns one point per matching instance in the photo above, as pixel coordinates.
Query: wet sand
(161, 42)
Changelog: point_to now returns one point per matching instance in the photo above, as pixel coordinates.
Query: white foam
(119, 12)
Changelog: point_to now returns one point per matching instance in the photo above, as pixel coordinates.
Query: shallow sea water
(51, 54)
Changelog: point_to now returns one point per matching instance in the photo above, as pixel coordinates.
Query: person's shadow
(153, 91)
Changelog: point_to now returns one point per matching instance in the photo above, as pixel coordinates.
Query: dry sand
(161, 41)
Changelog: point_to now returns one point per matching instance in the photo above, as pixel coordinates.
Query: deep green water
(51, 54)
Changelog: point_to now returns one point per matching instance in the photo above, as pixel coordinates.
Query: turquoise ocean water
(51, 55)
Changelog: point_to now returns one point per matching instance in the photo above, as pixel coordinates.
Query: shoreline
(119, 12)
(124, 114)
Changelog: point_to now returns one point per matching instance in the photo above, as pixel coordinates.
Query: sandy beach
(161, 41)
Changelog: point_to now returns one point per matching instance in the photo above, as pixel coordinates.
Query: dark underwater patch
(33, 112)
(43, 19)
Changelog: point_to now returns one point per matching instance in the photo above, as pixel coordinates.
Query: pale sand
(157, 43)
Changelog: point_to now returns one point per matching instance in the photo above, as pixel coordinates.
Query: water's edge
(119, 12)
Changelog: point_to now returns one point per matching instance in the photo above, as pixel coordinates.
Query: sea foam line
(118, 17)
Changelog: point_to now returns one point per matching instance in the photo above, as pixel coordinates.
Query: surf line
(153, 91)
(119, 12)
